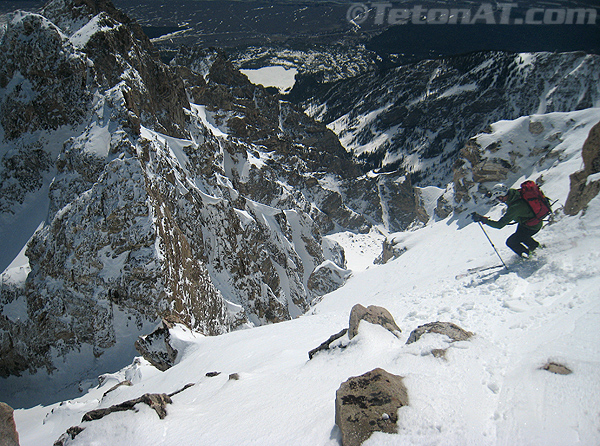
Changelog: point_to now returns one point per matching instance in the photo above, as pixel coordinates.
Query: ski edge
(479, 269)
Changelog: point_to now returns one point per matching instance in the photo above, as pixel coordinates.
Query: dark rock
(156, 348)
(439, 353)
(44, 77)
(536, 128)
(71, 433)
(449, 329)
(116, 386)
(443, 208)
(557, 368)
(326, 278)
(374, 315)
(156, 401)
(325, 345)
(389, 251)
(369, 403)
(234, 377)
(187, 386)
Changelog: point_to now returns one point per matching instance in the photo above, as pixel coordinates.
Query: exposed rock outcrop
(156, 348)
(389, 251)
(119, 53)
(534, 144)
(156, 401)
(328, 183)
(369, 403)
(453, 331)
(583, 189)
(374, 315)
(326, 278)
(8, 429)
(70, 434)
(44, 76)
(152, 212)
(327, 344)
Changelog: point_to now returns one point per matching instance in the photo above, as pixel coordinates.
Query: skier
(519, 211)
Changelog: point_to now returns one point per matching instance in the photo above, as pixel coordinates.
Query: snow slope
(487, 391)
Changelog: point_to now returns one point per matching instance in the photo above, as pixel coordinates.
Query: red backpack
(539, 204)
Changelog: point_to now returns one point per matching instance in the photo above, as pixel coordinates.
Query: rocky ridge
(301, 155)
(498, 156)
(210, 215)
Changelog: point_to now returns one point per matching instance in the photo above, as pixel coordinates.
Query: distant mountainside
(416, 117)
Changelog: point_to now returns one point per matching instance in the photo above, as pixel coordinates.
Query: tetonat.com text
(486, 13)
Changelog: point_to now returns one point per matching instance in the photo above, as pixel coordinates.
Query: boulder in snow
(449, 329)
(444, 204)
(374, 315)
(156, 347)
(556, 368)
(389, 251)
(327, 344)
(72, 432)
(8, 428)
(369, 403)
(536, 128)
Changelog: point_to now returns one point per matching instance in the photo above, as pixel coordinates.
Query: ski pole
(491, 243)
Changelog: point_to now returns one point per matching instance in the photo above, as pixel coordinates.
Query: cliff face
(76, 97)
(44, 77)
(135, 191)
(305, 165)
(145, 206)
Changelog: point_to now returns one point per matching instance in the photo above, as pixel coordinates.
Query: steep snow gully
(134, 193)
(490, 390)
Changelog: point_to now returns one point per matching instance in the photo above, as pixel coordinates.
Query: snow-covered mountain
(501, 387)
(138, 195)
(134, 191)
(417, 117)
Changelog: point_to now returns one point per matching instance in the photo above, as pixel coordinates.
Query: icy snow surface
(490, 390)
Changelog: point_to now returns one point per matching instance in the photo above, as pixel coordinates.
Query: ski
(478, 269)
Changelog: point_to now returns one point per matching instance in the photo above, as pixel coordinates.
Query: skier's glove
(478, 218)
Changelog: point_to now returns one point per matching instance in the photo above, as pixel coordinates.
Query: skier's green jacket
(518, 211)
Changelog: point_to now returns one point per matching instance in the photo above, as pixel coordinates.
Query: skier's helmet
(499, 190)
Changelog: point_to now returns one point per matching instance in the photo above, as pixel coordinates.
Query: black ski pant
(522, 242)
